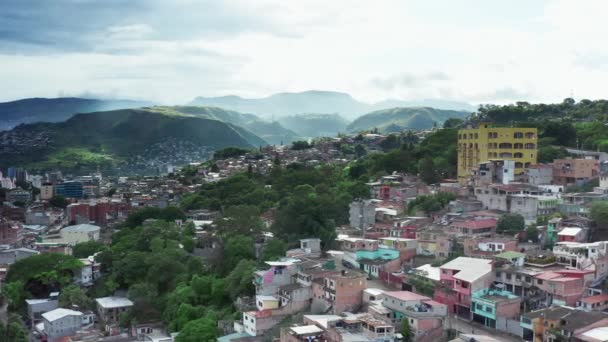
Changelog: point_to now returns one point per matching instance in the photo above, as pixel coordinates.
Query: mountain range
(399, 119)
(315, 101)
(314, 125)
(32, 110)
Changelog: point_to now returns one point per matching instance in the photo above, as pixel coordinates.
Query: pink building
(571, 234)
(463, 276)
(575, 171)
(593, 303)
(563, 287)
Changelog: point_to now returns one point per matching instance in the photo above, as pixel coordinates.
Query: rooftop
(476, 224)
(405, 295)
(113, 302)
(551, 313)
(56, 314)
(510, 255)
(82, 228)
(307, 329)
(595, 299)
(470, 269)
(570, 231)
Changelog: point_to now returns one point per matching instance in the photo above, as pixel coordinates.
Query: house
(536, 323)
(308, 248)
(343, 291)
(422, 313)
(433, 242)
(539, 174)
(487, 247)
(460, 278)
(593, 303)
(61, 322)
(516, 259)
(11, 232)
(475, 228)
(407, 247)
(563, 287)
(571, 234)
(362, 214)
(36, 307)
(110, 308)
(492, 307)
(575, 171)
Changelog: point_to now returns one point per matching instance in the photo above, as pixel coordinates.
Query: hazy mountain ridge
(272, 132)
(315, 101)
(397, 119)
(32, 110)
(315, 125)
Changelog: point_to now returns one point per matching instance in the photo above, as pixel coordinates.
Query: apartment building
(484, 143)
(575, 171)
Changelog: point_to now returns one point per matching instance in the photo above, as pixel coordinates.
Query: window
(539, 281)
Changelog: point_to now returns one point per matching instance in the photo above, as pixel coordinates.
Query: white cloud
(472, 50)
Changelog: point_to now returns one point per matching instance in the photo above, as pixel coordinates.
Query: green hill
(397, 119)
(272, 132)
(315, 125)
(130, 140)
(60, 109)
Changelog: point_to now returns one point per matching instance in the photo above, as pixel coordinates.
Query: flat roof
(600, 333)
(113, 302)
(432, 272)
(56, 314)
(406, 295)
(85, 227)
(307, 329)
(510, 255)
(470, 269)
(569, 231)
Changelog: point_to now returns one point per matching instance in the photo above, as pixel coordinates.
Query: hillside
(272, 132)
(316, 101)
(315, 125)
(397, 119)
(55, 110)
(128, 140)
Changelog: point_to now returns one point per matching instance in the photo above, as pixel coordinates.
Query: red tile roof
(476, 224)
(595, 299)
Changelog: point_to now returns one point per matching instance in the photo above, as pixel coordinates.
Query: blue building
(72, 189)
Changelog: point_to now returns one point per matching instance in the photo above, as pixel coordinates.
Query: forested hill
(135, 138)
(272, 132)
(32, 110)
(398, 119)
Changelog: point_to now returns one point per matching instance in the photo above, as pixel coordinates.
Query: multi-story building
(46, 191)
(434, 242)
(362, 214)
(575, 171)
(492, 307)
(603, 175)
(460, 278)
(11, 232)
(110, 308)
(71, 189)
(343, 291)
(73, 235)
(18, 195)
(474, 228)
(539, 174)
(484, 143)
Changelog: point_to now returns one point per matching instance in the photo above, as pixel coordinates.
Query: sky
(171, 51)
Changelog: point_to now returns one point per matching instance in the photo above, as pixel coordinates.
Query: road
(475, 328)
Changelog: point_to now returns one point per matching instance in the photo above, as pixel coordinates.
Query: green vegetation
(14, 330)
(300, 145)
(58, 202)
(406, 330)
(599, 214)
(87, 249)
(229, 152)
(399, 119)
(107, 139)
(430, 203)
(510, 224)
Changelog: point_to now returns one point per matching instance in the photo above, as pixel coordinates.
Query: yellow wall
(481, 144)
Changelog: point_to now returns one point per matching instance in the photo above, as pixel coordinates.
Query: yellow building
(477, 145)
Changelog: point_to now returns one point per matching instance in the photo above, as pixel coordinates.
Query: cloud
(409, 80)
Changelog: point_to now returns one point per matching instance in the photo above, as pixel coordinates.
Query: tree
(14, 330)
(73, 295)
(111, 192)
(599, 214)
(426, 170)
(240, 219)
(274, 249)
(238, 281)
(510, 223)
(360, 151)
(453, 123)
(202, 329)
(236, 248)
(406, 330)
(300, 145)
(87, 249)
(58, 202)
(532, 234)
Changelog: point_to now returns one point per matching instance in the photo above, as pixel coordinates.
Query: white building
(61, 322)
(79, 233)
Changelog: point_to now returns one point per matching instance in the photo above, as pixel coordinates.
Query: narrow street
(475, 328)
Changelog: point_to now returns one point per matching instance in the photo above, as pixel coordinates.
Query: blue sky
(174, 50)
